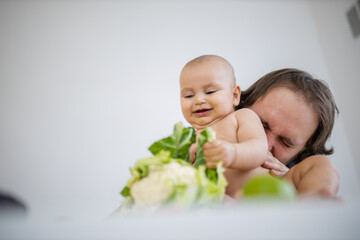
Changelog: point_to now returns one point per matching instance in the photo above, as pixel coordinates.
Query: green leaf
(178, 144)
(211, 189)
(126, 191)
(212, 174)
(178, 190)
(207, 135)
(141, 168)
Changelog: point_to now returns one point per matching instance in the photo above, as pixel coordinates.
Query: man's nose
(271, 140)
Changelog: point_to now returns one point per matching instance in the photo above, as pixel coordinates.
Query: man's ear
(236, 95)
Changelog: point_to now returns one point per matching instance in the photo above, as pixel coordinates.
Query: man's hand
(276, 167)
(217, 151)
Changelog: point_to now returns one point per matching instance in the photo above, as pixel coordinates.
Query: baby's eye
(188, 96)
(210, 91)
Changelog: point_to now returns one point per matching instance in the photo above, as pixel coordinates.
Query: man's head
(308, 109)
(208, 90)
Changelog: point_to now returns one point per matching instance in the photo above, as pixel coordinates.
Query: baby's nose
(200, 99)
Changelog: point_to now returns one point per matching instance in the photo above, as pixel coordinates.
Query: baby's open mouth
(202, 112)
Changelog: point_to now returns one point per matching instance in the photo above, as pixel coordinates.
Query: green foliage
(209, 183)
(207, 135)
(178, 144)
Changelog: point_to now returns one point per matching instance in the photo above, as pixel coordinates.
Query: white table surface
(297, 220)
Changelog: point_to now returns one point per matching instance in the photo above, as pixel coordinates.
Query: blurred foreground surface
(256, 220)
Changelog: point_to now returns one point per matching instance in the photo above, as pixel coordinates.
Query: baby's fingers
(276, 167)
(193, 150)
(211, 164)
(211, 145)
(212, 152)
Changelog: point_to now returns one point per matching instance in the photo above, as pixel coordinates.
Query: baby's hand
(276, 167)
(193, 150)
(218, 151)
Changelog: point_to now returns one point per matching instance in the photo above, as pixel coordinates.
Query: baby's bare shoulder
(245, 114)
(229, 120)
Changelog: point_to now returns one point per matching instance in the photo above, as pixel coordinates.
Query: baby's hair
(208, 58)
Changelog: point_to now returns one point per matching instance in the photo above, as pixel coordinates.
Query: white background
(87, 86)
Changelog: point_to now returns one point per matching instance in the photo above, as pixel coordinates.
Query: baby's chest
(229, 136)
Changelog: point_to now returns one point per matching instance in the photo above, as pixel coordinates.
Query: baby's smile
(202, 112)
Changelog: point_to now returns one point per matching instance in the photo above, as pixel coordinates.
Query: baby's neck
(201, 127)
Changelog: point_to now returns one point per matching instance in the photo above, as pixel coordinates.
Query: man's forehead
(285, 115)
(282, 131)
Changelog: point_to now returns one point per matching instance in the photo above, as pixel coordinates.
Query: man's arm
(314, 176)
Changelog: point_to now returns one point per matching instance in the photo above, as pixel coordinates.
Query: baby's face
(206, 93)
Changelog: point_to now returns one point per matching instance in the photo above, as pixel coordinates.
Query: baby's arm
(249, 152)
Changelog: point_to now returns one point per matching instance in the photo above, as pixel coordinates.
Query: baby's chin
(201, 124)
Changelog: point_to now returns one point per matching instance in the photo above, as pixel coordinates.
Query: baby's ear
(236, 95)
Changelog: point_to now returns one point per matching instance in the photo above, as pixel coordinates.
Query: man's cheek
(281, 155)
(287, 156)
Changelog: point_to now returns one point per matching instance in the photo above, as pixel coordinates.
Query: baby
(208, 94)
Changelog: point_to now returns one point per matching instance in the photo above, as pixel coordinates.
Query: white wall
(341, 52)
(87, 86)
